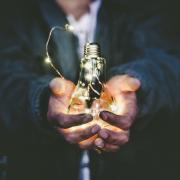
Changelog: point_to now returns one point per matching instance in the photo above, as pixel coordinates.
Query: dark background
(9, 8)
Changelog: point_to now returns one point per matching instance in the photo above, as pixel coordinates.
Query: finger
(111, 148)
(114, 137)
(99, 143)
(60, 87)
(117, 120)
(68, 120)
(88, 143)
(123, 83)
(79, 134)
(129, 84)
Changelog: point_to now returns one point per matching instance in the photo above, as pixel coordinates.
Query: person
(143, 72)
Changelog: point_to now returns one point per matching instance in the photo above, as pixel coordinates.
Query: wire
(66, 28)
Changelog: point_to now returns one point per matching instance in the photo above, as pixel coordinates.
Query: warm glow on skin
(88, 141)
(117, 98)
(77, 106)
(117, 106)
(61, 93)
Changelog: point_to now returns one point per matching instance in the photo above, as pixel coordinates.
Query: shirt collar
(93, 10)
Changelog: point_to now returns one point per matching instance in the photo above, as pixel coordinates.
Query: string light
(92, 67)
(48, 60)
(89, 86)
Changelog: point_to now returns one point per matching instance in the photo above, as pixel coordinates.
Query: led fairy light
(48, 60)
(90, 95)
(86, 97)
(91, 69)
(90, 84)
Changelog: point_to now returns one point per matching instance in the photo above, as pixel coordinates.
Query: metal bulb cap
(92, 50)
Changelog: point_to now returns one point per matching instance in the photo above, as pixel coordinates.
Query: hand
(68, 125)
(122, 89)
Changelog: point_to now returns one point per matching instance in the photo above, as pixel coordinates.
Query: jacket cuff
(39, 94)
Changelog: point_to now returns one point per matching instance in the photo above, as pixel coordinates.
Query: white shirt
(84, 28)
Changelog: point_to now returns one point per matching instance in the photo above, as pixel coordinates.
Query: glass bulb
(90, 95)
(90, 84)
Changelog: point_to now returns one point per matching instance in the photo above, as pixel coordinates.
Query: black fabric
(141, 42)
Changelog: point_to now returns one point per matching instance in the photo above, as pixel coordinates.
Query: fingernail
(95, 129)
(102, 116)
(99, 143)
(87, 118)
(104, 135)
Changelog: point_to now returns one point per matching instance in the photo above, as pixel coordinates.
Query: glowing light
(95, 109)
(89, 77)
(69, 28)
(93, 69)
(99, 66)
(88, 65)
(113, 107)
(87, 111)
(47, 60)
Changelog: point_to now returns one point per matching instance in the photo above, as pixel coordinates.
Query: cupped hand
(119, 113)
(73, 127)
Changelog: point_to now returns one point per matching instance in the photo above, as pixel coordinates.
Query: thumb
(124, 83)
(61, 87)
(129, 83)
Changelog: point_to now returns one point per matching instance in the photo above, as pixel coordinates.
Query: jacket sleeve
(23, 91)
(156, 64)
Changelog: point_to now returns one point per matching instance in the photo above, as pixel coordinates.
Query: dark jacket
(141, 42)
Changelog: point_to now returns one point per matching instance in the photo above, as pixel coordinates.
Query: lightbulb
(86, 97)
(92, 74)
(90, 85)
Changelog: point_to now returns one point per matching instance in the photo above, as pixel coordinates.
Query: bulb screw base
(92, 50)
